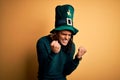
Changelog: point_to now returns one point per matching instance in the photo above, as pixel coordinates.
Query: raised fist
(81, 52)
(55, 46)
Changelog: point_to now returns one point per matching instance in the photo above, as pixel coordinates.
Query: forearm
(71, 66)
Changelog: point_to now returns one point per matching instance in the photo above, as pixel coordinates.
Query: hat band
(67, 21)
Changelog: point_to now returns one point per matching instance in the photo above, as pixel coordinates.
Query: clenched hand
(55, 46)
(81, 52)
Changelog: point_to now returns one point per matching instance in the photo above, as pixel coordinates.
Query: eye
(69, 35)
(64, 34)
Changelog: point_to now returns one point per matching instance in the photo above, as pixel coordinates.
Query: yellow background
(23, 22)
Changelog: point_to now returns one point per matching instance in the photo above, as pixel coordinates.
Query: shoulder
(44, 39)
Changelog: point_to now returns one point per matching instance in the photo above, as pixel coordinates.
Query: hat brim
(65, 27)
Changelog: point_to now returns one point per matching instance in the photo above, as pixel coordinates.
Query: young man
(55, 51)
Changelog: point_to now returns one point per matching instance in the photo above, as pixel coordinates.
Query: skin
(64, 37)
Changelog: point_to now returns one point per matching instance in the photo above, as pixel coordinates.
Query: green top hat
(64, 19)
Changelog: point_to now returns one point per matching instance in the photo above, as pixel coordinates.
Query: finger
(56, 42)
(82, 50)
(53, 42)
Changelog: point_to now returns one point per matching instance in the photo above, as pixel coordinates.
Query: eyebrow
(65, 33)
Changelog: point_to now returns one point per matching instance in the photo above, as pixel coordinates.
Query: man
(55, 51)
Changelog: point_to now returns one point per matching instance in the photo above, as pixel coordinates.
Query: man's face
(64, 37)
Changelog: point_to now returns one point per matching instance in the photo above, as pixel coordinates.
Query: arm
(72, 64)
(44, 54)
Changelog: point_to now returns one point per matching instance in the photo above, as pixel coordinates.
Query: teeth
(65, 41)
